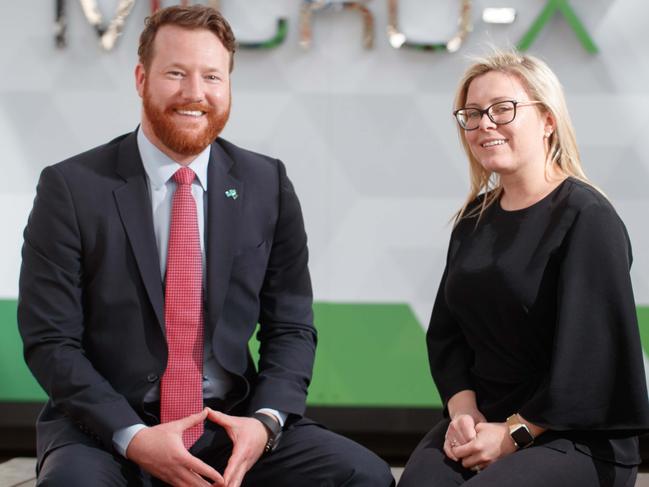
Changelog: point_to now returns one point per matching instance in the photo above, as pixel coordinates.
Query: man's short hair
(187, 17)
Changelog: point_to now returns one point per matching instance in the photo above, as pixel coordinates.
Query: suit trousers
(536, 466)
(307, 455)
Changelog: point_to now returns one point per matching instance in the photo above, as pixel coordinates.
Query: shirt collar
(160, 167)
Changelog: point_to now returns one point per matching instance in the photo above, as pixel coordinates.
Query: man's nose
(193, 87)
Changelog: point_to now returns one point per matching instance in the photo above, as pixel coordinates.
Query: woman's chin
(498, 166)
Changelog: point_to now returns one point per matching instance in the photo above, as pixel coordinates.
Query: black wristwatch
(519, 432)
(274, 430)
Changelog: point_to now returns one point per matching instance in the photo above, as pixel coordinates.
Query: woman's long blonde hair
(542, 85)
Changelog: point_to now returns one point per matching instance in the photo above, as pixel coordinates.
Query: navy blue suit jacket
(91, 298)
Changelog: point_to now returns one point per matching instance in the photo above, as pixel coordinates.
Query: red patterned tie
(181, 392)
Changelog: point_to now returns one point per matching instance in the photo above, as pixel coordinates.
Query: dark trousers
(536, 466)
(308, 455)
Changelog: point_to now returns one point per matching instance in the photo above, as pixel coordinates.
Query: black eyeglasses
(500, 113)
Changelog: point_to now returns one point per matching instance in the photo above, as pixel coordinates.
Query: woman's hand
(465, 415)
(461, 430)
(491, 442)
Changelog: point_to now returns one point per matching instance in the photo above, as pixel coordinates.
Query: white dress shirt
(159, 169)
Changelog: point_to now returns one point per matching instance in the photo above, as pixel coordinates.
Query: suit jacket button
(152, 377)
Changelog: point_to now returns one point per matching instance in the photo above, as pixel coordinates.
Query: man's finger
(188, 477)
(236, 480)
(218, 417)
(192, 420)
(230, 474)
(201, 468)
(234, 476)
(234, 462)
(206, 481)
(235, 468)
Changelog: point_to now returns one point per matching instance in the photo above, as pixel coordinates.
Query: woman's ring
(453, 443)
(476, 469)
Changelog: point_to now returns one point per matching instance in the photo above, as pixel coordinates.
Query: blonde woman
(533, 341)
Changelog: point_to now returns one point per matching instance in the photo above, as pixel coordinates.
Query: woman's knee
(428, 463)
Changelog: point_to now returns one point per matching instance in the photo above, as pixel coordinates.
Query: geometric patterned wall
(367, 135)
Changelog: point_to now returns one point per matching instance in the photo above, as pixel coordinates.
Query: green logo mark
(572, 19)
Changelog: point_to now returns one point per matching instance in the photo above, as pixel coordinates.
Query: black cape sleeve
(596, 379)
(449, 355)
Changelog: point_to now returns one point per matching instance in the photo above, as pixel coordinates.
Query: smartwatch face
(522, 437)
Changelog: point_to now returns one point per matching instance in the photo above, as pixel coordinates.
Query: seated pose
(533, 341)
(147, 264)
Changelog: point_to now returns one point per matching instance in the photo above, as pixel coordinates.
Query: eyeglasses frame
(484, 111)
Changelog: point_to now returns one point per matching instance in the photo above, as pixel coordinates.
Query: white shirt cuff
(281, 417)
(122, 438)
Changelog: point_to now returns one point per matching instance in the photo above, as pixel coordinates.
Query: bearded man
(147, 264)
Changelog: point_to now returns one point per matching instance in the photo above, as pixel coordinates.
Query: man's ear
(140, 77)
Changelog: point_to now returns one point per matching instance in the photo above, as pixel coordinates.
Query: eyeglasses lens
(500, 113)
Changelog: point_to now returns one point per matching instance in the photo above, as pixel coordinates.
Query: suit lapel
(134, 205)
(224, 201)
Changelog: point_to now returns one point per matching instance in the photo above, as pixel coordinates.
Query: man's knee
(367, 469)
(82, 465)
(325, 458)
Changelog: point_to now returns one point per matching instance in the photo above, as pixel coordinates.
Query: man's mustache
(193, 107)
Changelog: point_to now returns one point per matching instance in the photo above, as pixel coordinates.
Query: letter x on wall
(571, 17)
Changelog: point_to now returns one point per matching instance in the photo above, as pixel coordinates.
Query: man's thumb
(193, 419)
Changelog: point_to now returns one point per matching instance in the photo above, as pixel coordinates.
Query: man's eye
(212, 77)
(175, 74)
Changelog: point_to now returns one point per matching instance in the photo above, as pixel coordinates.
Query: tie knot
(184, 175)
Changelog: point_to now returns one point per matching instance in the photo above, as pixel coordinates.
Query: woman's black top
(535, 313)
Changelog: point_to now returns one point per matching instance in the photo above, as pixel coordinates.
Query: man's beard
(180, 140)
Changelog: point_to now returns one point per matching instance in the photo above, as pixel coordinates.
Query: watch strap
(272, 427)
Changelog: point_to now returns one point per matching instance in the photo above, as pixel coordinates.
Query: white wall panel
(367, 135)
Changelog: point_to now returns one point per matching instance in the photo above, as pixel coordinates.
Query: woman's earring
(547, 135)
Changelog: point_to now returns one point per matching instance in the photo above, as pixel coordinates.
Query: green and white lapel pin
(231, 193)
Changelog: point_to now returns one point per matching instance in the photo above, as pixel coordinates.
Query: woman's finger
(448, 450)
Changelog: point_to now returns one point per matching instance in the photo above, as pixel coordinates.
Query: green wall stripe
(16, 382)
(368, 355)
(643, 324)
